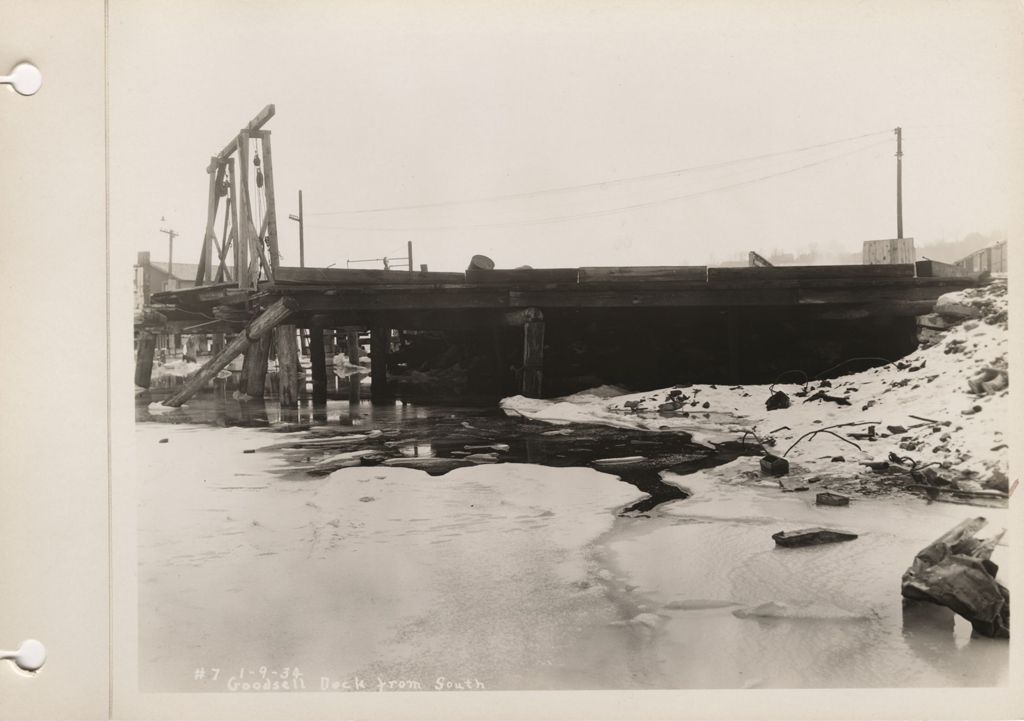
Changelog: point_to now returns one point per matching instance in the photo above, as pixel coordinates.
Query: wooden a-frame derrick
(253, 239)
(229, 179)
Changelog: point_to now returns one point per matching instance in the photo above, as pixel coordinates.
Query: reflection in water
(465, 434)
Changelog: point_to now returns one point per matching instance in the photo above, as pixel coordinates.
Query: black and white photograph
(597, 347)
(459, 348)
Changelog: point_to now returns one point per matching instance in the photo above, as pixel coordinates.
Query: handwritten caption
(290, 678)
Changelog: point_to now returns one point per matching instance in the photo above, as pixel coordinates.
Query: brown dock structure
(243, 292)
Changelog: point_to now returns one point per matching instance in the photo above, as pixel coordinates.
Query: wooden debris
(955, 571)
(774, 465)
(831, 499)
(811, 537)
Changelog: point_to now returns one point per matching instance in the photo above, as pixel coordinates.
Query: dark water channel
(438, 438)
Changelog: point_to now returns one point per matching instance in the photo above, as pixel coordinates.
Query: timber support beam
(267, 321)
(533, 353)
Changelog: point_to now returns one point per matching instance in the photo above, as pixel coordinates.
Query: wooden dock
(379, 300)
(241, 290)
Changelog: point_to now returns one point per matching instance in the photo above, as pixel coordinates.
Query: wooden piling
(144, 359)
(267, 321)
(254, 367)
(380, 339)
(733, 332)
(287, 364)
(318, 364)
(353, 358)
(533, 353)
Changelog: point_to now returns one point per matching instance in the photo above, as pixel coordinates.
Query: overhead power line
(603, 183)
(608, 211)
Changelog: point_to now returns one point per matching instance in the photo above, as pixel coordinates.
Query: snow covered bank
(924, 408)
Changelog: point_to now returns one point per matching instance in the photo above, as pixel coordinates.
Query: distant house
(153, 277)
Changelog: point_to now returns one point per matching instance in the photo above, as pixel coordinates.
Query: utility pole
(302, 243)
(899, 182)
(171, 235)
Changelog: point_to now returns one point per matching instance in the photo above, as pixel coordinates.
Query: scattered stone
(166, 440)
(988, 380)
(367, 499)
(811, 537)
(955, 311)
(998, 481)
(838, 459)
(249, 450)
(896, 430)
(777, 401)
(970, 411)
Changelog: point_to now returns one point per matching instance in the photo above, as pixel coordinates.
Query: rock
(164, 440)
(777, 401)
(998, 481)
(896, 430)
(988, 380)
(970, 411)
(955, 571)
(950, 308)
(838, 459)
(811, 537)
(935, 321)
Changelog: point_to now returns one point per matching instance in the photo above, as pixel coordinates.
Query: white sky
(395, 104)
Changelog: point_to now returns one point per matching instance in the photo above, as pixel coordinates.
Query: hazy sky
(397, 104)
